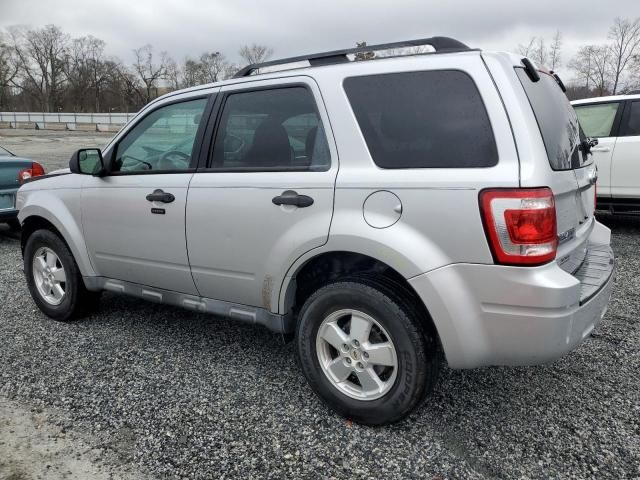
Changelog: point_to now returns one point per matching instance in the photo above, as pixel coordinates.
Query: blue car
(14, 171)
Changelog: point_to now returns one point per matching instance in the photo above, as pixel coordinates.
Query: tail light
(35, 170)
(520, 225)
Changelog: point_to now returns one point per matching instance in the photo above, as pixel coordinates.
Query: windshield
(557, 121)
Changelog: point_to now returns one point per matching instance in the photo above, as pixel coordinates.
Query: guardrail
(62, 117)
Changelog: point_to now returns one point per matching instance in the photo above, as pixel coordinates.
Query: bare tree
(625, 37)
(255, 53)
(555, 51)
(40, 56)
(150, 71)
(191, 73)
(215, 67)
(173, 75)
(536, 50)
(7, 71)
(527, 50)
(592, 65)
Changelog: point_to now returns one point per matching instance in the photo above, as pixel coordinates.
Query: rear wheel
(365, 352)
(54, 279)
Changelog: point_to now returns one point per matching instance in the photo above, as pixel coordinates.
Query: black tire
(77, 300)
(417, 349)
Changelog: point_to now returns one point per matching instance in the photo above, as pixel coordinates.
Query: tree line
(608, 68)
(45, 69)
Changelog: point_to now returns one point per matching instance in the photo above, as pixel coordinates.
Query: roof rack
(440, 44)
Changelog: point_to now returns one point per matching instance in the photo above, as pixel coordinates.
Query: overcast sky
(189, 27)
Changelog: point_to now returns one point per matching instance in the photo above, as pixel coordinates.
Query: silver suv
(382, 212)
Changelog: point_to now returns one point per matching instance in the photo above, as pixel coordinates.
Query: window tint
(633, 122)
(163, 140)
(432, 119)
(557, 121)
(597, 120)
(277, 129)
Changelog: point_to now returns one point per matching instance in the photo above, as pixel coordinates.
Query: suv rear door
(265, 195)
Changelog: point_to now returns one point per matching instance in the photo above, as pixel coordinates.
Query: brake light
(520, 225)
(36, 170)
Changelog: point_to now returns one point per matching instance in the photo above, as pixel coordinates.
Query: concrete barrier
(86, 127)
(55, 126)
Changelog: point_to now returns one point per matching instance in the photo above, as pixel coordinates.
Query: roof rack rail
(440, 44)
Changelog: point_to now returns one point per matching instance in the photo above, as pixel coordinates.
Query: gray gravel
(178, 394)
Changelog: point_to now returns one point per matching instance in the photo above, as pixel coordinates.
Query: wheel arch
(329, 266)
(35, 217)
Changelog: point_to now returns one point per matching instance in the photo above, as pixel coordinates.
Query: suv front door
(265, 196)
(130, 235)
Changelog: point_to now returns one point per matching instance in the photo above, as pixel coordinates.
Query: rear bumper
(499, 315)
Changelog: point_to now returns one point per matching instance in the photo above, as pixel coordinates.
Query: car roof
(305, 64)
(611, 98)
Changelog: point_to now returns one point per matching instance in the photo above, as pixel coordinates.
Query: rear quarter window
(428, 119)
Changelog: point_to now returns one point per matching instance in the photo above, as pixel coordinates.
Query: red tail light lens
(520, 225)
(36, 170)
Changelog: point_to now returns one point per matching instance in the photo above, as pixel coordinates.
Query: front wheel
(365, 352)
(54, 279)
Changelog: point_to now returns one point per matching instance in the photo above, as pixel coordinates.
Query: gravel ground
(176, 394)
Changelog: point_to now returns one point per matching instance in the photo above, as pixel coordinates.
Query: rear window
(556, 119)
(597, 119)
(429, 119)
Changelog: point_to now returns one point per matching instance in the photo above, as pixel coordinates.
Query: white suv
(615, 122)
(380, 211)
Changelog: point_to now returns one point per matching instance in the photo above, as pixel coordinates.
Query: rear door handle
(160, 196)
(291, 197)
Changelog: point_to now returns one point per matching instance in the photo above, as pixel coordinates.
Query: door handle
(600, 149)
(291, 197)
(160, 196)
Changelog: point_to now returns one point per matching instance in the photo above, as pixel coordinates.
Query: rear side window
(597, 120)
(556, 119)
(429, 119)
(633, 122)
(271, 130)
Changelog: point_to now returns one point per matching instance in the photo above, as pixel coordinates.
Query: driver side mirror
(87, 161)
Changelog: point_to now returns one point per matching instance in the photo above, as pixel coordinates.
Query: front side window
(162, 141)
(633, 121)
(429, 119)
(270, 130)
(597, 120)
